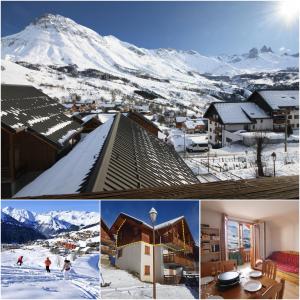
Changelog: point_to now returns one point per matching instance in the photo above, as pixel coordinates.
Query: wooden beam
(284, 187)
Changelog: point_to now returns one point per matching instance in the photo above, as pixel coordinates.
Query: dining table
(237, 291)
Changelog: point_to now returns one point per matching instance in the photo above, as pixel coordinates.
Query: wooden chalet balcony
(278, 121)
(176, 243)
(178, 259)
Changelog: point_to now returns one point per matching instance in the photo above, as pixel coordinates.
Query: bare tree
(261, 141)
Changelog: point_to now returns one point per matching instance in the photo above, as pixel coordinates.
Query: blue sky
(209, 27)
(167, 210)
(48, 205)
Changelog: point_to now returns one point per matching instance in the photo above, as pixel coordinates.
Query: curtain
(223, 237)
(258, 249)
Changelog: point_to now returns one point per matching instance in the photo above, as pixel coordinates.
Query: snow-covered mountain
(62, 58)
(21, 215)
(52, 222)
(54, 39)
(13, 231)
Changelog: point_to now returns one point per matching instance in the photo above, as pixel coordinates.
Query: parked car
(197, 147)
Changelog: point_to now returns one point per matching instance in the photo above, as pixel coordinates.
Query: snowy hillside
(51, 222)
(63, 58)
(54, 39)
(31, 281)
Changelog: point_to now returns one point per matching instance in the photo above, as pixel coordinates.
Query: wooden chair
(275, 291)
(228, 265)
(269, 269)
(213, 267)
(208, 268)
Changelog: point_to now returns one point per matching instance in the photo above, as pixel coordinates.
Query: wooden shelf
(209, 242)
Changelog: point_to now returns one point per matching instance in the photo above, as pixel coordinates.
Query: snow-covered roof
(75, 167)
(253, 111)
(277, 98)
(25, 107)
(231, 113)
(180, 119)
(239, 112)
(90, 167)
(104, 117)
(159, 226)
(191, 124)
(85, 119)
(168, 223)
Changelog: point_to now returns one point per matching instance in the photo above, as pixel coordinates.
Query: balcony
(176, 243)
(278, 121)
(178, 259)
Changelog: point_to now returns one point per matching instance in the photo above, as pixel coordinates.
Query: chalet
(88, 122)
(180, 121)
(35, 134)
(226, 118)
(280, 104)
(118, 155)
(107, 239)
(144, 122)
(194, 126)
(143, 109)
(175, 250)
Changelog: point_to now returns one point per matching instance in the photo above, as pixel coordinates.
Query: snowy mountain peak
(21, 215)
(266, 49)
(58, 22)
(53, 221)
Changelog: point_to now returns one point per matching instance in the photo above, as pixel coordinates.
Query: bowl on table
(227, 280)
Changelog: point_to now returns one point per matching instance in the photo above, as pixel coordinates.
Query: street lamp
(274, 159)
(153, 215)
(208, 157)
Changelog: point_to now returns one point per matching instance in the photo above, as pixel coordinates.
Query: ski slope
(31, 281)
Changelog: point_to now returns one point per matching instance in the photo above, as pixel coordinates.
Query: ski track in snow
(30, 282)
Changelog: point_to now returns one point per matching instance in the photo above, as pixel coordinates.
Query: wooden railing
(176, 242)
(178, 259)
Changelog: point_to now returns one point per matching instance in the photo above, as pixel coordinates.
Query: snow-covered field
(238, 162)
(126, 286)
(31, 281)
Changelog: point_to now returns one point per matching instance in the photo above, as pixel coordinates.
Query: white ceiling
(254, 209)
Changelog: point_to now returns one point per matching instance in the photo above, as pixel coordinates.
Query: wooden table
(237, 292)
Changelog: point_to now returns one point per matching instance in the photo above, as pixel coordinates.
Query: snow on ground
(126, 286)
(238, 162)
(31, 281)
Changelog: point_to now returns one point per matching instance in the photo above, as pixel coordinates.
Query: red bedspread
(286, 262)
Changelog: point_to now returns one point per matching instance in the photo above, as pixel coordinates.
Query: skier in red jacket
(20, 261)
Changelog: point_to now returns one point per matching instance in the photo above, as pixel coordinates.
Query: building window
(290, 117)
(296, 116)
(147, 250)
(261, 121)
(210, 129)
(147, 270)
(210, 137)
(120, 252)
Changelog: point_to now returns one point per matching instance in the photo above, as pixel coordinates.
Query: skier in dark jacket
(20, 261)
